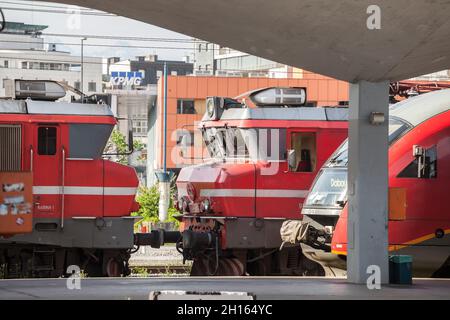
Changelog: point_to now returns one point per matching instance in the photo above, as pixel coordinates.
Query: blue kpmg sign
(126, 78)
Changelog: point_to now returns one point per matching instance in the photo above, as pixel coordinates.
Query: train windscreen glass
(397, 127)
(329, 190)
(250, 143)
(339, 157)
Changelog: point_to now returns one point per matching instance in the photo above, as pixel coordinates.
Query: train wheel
(201, 267)
(114, 267)
(230, 267)
(208, 267)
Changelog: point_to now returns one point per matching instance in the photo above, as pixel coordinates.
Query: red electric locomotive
(419, 176)
(265, 149)
(81, 203)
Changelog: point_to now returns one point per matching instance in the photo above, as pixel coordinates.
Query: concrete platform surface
(269, 288)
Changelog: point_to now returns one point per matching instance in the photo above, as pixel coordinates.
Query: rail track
(160, 270)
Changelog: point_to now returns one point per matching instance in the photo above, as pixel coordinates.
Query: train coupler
(156, 238)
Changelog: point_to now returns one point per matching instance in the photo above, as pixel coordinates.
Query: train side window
(429, 170)
(303, 152)
(47, 141)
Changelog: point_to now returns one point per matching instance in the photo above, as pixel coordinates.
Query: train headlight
(184, 205)
(206, 205)
(210, 107)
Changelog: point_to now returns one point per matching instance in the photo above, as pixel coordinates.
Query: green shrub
(148, 199)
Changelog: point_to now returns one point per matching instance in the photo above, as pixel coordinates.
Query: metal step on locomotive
(265, 148)
(419, 175)
(69, 204)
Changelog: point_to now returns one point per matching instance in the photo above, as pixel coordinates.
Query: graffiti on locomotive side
(15, 202)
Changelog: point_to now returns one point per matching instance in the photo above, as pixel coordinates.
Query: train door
(281, 192)
(47, 160)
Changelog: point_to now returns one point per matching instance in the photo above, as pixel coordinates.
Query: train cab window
(428, 168)
(302, 155)
(47, 141)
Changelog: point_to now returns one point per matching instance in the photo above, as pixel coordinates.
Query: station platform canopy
(325, 36)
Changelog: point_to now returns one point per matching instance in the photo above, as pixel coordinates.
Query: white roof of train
(299, 113)
(57, 108)
(422, 107)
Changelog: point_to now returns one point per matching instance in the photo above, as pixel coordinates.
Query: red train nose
(135, 206)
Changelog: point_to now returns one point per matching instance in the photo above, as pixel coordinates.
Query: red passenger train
(419, 178)
(81, 203)
(265, 149)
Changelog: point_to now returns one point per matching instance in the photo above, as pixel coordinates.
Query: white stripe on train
(95, 191)
(260, 193)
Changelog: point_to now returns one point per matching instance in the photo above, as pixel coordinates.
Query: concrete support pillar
(368, 181)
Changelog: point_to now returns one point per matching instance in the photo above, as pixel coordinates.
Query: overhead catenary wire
(95, 45)
(46, 5)
(107, 37)
(92, 12)
(86, 13)
(194, 41)
(212, 75)
(74, 62)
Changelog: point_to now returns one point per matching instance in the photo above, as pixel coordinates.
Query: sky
(97, 25)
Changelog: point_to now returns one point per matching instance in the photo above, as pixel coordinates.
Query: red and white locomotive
(419, 176)
(81, 202)
(265, 148)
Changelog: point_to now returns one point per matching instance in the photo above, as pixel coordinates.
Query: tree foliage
(148, 199)
(117, 144)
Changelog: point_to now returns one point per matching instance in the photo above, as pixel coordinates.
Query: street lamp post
(164, 176)
(82, 67)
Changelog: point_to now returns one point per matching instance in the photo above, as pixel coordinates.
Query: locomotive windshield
(226, 142)
(329, 189)
(247, 143)
(397, 127)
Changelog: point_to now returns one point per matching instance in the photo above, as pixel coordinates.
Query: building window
(47, 141)
(6, 64)
(24, 65)
(185, 106)
(77, 85)
(34, 65)
(140, 127)
(92, 86)
(55, 66)
(44, 66)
